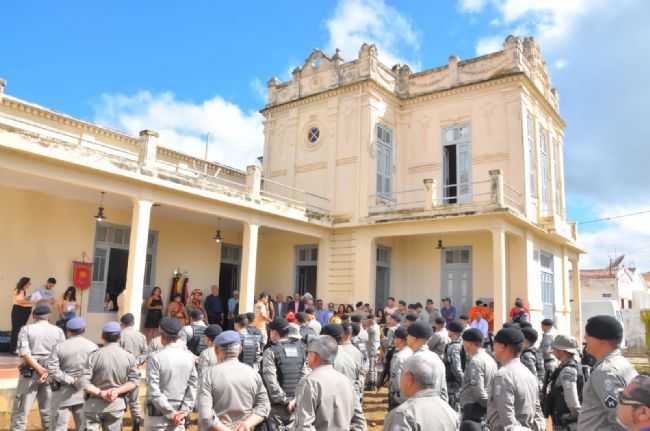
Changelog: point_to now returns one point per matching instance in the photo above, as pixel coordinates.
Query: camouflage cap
(565, 343)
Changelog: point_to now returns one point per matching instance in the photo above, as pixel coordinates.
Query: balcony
(434, 199)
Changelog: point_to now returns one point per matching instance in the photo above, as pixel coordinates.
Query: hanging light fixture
(439, 246)
(100, 216)
(217, 237)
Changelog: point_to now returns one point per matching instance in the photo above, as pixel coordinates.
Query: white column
(365, 269)
(132, 295)
(322, 285)
(576, 304)
(499, 277)
(248, 268)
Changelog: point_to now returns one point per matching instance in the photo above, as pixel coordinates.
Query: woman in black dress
(154, 307)
(20, 311)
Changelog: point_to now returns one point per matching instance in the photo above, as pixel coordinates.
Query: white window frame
(532, 155)
(385, 158)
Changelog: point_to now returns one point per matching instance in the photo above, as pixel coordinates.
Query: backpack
(196, 343)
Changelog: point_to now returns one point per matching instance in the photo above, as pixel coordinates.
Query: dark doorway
(228, 281)
(116, 277)
(451, 175)
(307, 275)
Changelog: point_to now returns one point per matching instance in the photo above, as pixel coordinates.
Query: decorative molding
(424, 167)
(278, 173)
(347, 161)
(309, 167)
(490, 157)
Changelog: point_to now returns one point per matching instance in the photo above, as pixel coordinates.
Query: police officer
(357, 347)
(477, 379)
(372, 347)
(562, 400)
(172, 381)
(529, 356)
(208, 356)
(325, 398)
(192, 334)
(283, 365)
(231, 394)
(439, 338)
(110, 374)
(65, 366)
(452, 360)
(402, 353)
(423, 409)
(419, 334)
(514, 394)
(348, 359)
(134, 342)
(608, 377)
(35, 343)
(251, 352)
(545, 347)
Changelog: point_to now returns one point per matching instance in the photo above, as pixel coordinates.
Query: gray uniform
(609, 376)
(65, 366)
(325, 400)
(477, 380)
(535, 364)
(440, 385)
(207, 359)
(37, 340)
(172, 382)
(438, 342)
(280, 416)
(546, 351)
(155, 345)
(373, 353)
(387, 342)
(107, 368)
(514, 399)
(423, 411)
(134, 342)
(229, 392)
(568, 381)
(349, 362)
(396, 364)
(455, 368)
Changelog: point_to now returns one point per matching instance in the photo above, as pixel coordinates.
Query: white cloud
(472, 5)
(486, 45)
(236, 137)
(560, 63)
(260, 90)
(372, 21)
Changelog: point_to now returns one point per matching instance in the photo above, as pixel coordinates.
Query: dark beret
(333, 330)
(529, 334)
(401, 332)
(411, 317)
(604, 328)
(420, 330)
(42, 310)
(396, 316)
(279, 324)
(509, 336)
(356, 318)
(548, 322)
(463, 317)
(212, 331)
(455, 326)
(523, 325)
(474, 335)
(127, 319)
(301, 317)
(170, 326)
(439, 320)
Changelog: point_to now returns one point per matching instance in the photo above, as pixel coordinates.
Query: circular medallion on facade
(313, 135)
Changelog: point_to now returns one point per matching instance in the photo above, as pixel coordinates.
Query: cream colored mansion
(375, 181)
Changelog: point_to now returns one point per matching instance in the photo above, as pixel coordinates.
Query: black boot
(135, 424)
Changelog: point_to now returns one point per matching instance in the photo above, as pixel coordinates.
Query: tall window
(532, 156)
(548, 284)
(382, 280)
(545, 166)
(559, 209)
(384, 161)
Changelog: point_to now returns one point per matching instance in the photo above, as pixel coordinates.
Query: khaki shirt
(514, 399)
(172, 380)
(396, 365)
(229, 392)
(423, 411)
(440, 385)
(107, 368)
(66, 365)
(609, 376)
(326, 400)
(477, 379)
(134, 342)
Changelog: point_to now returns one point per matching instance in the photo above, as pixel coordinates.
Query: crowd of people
(296, 364)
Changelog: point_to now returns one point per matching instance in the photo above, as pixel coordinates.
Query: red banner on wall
(81, 274)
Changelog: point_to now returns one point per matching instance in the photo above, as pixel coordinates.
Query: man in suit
(281, 307)
(296, 305)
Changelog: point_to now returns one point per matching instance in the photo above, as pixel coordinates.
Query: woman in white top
(68, 303)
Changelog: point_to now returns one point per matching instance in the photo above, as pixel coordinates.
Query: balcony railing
(490, 193)
(316, 205)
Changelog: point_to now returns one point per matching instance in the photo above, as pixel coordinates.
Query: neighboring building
(375, 181)
(617, 282)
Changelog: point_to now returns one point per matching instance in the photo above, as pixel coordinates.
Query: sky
(198, 70)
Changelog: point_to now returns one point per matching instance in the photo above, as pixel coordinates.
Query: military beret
(356, 318)
(604, 328)
(226, 338)
(420, 330)
(212, 331)
(455, 326)
(439, 320)
(509, 336)
(279, 324)
(76, 324)
(170, 326)
(474, 335)
(127, 319)
(42, 309)
(333, 330)
(529, 334)
(411, 317)
(401, 333)
(396, 316)
(111, 328)
(548, 322)
(525, 324)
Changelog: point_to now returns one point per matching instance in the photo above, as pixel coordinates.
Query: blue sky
(189, 70)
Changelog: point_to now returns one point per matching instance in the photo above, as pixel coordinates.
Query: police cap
(76, 324)
(420, 330)
(509, 336)
(226, 338)
(396, 316)
(111, 328)
(529, 334)
(401, 333)
(604, 328)
(42, 310)
(455, 326)
(212, 331)
(474, 335)
(127, 319)
(170, 326)
(333, 330)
